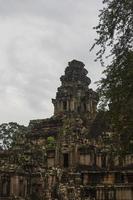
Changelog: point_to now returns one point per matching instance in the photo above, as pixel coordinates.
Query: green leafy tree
(115, 29)
(115, 39)
(11, 134)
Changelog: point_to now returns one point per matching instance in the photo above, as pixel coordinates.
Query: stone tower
(58, 159)
(74, 95)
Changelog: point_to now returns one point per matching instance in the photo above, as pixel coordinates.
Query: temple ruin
(67, 163)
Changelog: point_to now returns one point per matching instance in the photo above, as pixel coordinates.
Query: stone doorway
(65, 160)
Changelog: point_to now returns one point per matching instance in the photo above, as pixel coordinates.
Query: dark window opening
(5, 188)
(65, 105)
(22, 188)
(89, 192)
(66, 161)
(130, 178)
(82, 178)
(119, 178)
(78, 108)
(84, 106)
(103, 161)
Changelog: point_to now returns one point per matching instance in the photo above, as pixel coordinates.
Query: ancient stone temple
(67, 163)
(74, 96)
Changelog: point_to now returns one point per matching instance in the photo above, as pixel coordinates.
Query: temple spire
(74, 95)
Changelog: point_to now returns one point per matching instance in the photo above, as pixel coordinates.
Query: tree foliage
(11, 134)
(115, 34)
(115, 29)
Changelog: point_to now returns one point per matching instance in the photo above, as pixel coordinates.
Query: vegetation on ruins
(51, 142)
(62, 157)
(79, 152)
(11, 134)
(21, 155)
(115, 33)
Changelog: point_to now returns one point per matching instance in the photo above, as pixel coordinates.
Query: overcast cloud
(37, 40)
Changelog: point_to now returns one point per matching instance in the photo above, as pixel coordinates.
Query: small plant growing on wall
(50, 142)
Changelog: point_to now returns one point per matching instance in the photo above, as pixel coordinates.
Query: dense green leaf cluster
(11, 135)
(115, 34)
(115, 29)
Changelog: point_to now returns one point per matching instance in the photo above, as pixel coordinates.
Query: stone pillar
(99, 194)
(103, 194)
(117, 193)
(98, 160)
(25, 183)
(85, 179)
(14, 185)
(67, 106)
(72, 105)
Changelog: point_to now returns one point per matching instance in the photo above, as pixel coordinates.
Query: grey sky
(37, 40)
